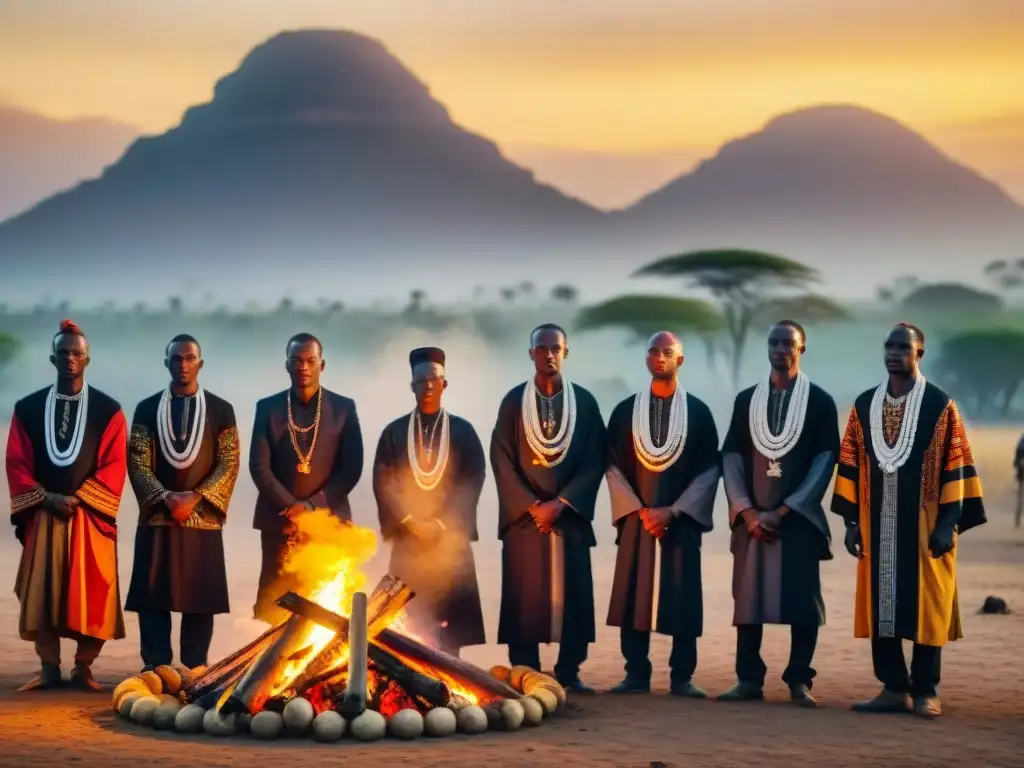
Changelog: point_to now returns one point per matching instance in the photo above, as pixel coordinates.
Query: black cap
(426, 355)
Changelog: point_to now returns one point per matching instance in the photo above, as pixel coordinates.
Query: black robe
(180, 567)
(547, 585)
(441, 571)
(657, 585)
(780, 582)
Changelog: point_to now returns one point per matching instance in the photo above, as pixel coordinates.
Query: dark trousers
(572, 652)
(48, 648)
(636, 648)
(750, 667)
(891, 668)
(155, 638)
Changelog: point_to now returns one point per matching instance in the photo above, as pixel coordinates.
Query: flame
(327, 566)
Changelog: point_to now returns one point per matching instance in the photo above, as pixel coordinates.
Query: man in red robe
(66, 467)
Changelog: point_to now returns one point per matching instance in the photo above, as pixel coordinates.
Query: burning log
(267, 671)
(412, 653)
(426, 690)
(230, 669)
(354, 702)
(388, 599)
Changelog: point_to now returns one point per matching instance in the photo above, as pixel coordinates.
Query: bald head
(664, 355)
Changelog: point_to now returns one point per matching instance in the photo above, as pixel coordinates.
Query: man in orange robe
(906, 488)
(66, 467)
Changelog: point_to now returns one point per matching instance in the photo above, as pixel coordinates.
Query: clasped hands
(65, 506)
(545, 514)
(182, 504)
(296, 509)
(763, 526)
(940, 542)
(656, 520)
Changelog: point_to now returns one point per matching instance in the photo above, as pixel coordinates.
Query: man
(427, 476)
(663, 472)
(906, 487)
(1018, 467)
(548, 458)
(777, 462)
(66, 464)
(306, 452)
(183, 463)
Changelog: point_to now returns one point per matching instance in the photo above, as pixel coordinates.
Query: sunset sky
(605, 98)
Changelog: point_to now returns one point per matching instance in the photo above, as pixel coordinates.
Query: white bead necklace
(774, 447)
(165, 431)
(549, 453)
(892, 458)
(428, 480)
(68, 456)
(653, 458)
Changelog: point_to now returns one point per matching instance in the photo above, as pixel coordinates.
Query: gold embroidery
(148, 489)
(97, 496)
(892, 418)
(931, 464)
(27, 500)
(959, 454)
(201, 519)
(851, 440)
(218, 487)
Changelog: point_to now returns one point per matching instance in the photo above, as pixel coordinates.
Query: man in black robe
(427, 476)
(777, 463)
(663, 472)
(183, 463)
(548, 458)
(306, 453)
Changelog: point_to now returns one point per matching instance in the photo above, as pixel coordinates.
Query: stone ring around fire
(158, 700)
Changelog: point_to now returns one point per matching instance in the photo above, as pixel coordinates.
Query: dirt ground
(982, 686)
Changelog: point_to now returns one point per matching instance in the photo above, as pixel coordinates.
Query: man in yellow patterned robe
(906, 488)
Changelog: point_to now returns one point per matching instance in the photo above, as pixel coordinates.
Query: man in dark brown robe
(777, 462)
(183, 464)
(428, 472)
(306, 453)
(548, 459)
(663, 473)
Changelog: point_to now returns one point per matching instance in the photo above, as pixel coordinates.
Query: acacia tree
(643, 316)
(744, 283)
(984, 368)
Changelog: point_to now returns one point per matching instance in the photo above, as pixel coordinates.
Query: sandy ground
(982, 681)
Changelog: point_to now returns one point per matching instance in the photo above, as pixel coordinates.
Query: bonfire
(342, 662)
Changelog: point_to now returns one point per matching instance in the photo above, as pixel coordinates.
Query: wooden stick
(419, 686)
(354, 701)
(213, 676)
(413, 654)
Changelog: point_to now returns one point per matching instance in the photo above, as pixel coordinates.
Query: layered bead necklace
(774, 446)
(652, 457)
(550, 452)
(891, 458)
(191, 435)
(428, 479)
(68, 456)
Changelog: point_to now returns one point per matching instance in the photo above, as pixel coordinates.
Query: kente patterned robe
(67, 579)
(902, 591)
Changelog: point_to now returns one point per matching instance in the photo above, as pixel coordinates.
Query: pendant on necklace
(774, 468)
(889, 469)
(303, 468)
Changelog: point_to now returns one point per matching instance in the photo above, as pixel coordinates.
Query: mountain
(39, 155)
(840, 187)
(320, 159)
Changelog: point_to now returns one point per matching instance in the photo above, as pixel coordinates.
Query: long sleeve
(217, 487)
(514, 496)
(734, 479)
(960, 495)
(348, 463)
(102, 490)
(698, 500)
(624, 500)
(141, 446)
(388, 505)
(580, 493)
(260, 463)
(26, 492)
(846, 495)
(472, 473)
(807, 497)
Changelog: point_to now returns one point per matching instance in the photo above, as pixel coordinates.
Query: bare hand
(546, 513)
(752, 520)
(770, 522)
(656, 520)
(60, 504)
(296, 509)
(852, 541)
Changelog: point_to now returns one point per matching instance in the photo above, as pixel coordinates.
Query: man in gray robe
(777, 462)
(663, 472)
